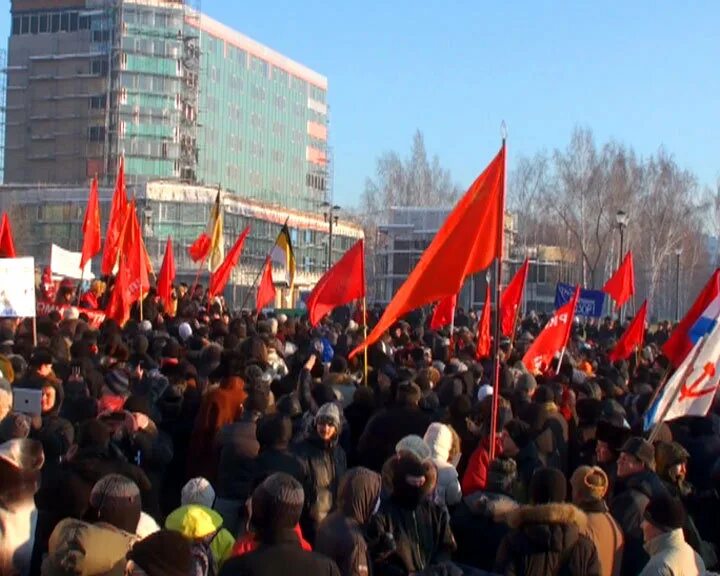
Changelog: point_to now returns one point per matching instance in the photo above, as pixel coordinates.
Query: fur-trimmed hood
(547, 514)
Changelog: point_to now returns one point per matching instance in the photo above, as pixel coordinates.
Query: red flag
(469, 240)
(266, 289)
(679, 344)
(7, 244)
(167, 274)
(343, 283)
(632, 338)
(553, 338)
(220, 277)
(510, 299)
(132, 250)
(115, 223)
(622, 284)
(444, 312)
(200, 248)
(484, 341)
(118, 307)
(91, 226)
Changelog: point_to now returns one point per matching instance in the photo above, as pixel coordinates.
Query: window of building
(99, 67)
(55, 23)
(34, 24)
(96, 133)
(65, 22)
(26, 24)
(84, 23)
(44, 23)
(16, 25)
(97, 102)
(74, 17)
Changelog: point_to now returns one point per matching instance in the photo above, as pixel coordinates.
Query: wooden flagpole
(365, 350)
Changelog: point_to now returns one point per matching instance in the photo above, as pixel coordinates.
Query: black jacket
(546, 540)
(282, 556)
(238, 447)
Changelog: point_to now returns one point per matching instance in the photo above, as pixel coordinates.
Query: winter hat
(484, 391)
(439, 439)
(415, 446)
(118, 382)
(116, 500)
(198, 491)
(139, 405)
(146, 326)
(14, 426)
(589, 484)
(642, 450)
(667, 455)
(274, 430)
(588, 410)
(289, 405)
(548, 485)
(526, 383)
(329, 412)
(412, 480)
(164, 553)
(277, 504)
(666, 513)
(93, 434)
(184, 331)
(614, 436)
(408, 394)
(501, 475)
(519, 431)
(544, 394)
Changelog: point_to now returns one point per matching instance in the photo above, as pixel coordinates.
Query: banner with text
(590, 303)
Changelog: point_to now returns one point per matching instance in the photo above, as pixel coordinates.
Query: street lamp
(331, 219)
(621, 218)
(678, 253)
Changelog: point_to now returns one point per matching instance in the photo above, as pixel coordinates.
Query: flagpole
(365, 350)
(257, 276)
(197, 275)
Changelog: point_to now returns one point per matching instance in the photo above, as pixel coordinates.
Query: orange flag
(118, 307)
(622, 284)
(266, 289)
(632, 338)
(7, 244)
(444, 312)
(167, 274)
(343, 283)
(91, 226)
(469, 240)
(220, 277)
(115, 223)
(553, 338)
(484, 340)
(510, 299)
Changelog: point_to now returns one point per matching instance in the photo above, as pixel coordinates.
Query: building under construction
(191, 104)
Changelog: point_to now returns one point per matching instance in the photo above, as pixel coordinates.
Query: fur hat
(501, 475)
(666, 513)
(589, 483)
(116, 500)
(198, 491)
(164, 553)
(642, 450)
(548, 485)
(415, 446)
(667, 455)
(277, 504)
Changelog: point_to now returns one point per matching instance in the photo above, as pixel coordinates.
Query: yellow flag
(283, 245)
(217, 246)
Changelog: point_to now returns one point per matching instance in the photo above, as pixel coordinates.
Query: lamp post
(331, 219)
(678, 253)
(621, 218)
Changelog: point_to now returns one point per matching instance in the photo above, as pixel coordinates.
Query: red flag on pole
(484, 343)
(200, 249)
(167, 274)
(115, 223)
(7, 244)
(444, 312)
(343, 283)
(118, 307)
(220, 277)
(469, 240)
(679, 344)
(91, 226)
(632, 338)
(622, 284)
(266, 289)
(511, 298)
(553, 338)
(132, 249)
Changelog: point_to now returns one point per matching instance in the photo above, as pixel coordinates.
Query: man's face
(603, 454)
(628, 465)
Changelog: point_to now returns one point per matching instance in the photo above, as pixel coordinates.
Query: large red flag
(132, 250)
(679, 344)
(91, 226)
(7, 244)
(553, 338)
(116, 222)
(511, 297)
(200, 249)
(167, 274)
(632, 338)
(118, 307)
(484, 342)
(469, 240)
(444, 312)
(220, 277)
(622, 284)
(266, 289)
(343, 283)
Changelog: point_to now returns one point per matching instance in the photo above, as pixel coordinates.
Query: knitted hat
(116, 500)
(667, 455)
(198, 491)
(548, 485)
(184, 331)
(589, 484)
(642, 450)
(439, 439)
(277, 504)
(484, 391)
(501, 475)
(118, 382)
(415, 446)
(666, 513)
(329, 412)
(164, 553)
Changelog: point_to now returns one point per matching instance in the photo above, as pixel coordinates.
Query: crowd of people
(199, 443)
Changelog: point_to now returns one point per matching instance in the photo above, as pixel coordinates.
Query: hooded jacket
(671, 555)
(547, 540)
(341, 535)
(439, 439)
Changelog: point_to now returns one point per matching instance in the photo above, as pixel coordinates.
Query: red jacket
(475, 477)
(247, 543)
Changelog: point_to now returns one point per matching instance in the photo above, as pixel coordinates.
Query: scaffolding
(3, 110)
(190, 95)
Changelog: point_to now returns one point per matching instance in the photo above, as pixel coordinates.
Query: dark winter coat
(632, 496)
(547, 540)
(273, 460)
(238, 448)
(341, 535)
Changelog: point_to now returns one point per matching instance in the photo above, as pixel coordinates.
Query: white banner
(17, 287)
(66, 264)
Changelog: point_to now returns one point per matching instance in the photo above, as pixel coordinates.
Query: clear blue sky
(638, 72)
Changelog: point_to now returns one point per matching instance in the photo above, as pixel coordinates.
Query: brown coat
(606, 534)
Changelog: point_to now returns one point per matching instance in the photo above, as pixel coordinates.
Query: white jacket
(670, 555)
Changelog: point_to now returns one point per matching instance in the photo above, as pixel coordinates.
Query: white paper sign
(17, 287)
(66, 264)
